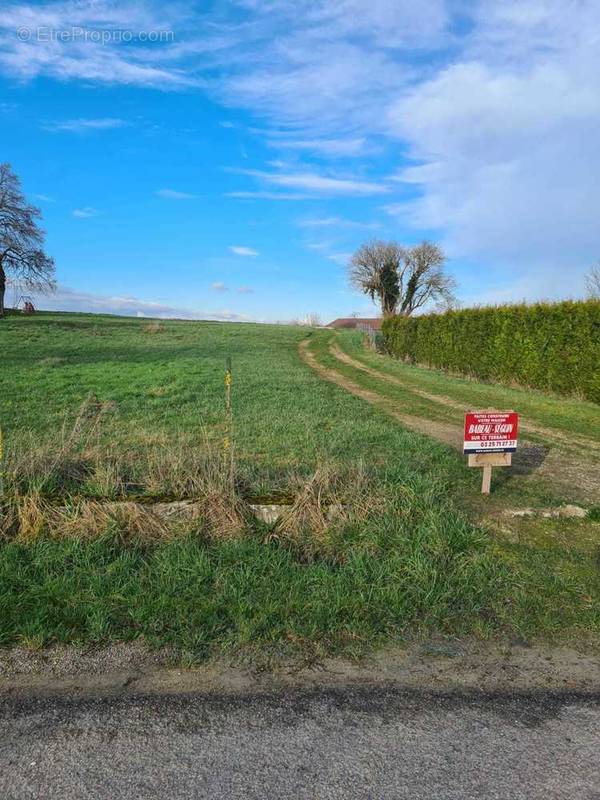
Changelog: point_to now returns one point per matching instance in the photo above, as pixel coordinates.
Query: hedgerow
(549, 346)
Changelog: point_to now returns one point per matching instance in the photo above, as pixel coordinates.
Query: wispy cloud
(329, 147)
(267, 196)
(82, 125)
(397, 209)
(492, 107)
(318, 246)
(44, 198)
(172, 194)
(84, 213)
(219, 286)
(340, 258)
(243, 251)
(313, 182)
(55, 39)
(336, 222)
(66, 299)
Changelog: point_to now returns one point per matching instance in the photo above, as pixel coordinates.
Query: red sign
(491, 432)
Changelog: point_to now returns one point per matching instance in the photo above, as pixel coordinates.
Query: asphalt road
(371, 742)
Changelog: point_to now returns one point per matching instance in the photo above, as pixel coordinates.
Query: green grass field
(97, 408)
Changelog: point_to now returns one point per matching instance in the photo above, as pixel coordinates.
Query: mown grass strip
(565, 414)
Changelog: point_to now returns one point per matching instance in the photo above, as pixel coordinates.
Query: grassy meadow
(98, 410)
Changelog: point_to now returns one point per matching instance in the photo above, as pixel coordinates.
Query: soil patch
(438, 664)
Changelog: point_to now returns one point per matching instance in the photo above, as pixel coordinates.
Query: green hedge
(549, 346)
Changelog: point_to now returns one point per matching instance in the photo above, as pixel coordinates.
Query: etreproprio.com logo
(91, 35)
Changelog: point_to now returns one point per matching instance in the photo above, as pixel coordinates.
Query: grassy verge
(402, 558)
(563, 414)
(401, 572)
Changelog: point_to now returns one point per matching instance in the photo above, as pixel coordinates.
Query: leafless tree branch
(402, 279)
(592, 282)
(21, 239)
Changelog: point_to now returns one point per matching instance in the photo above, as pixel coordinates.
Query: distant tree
(592, 282)
(402, 279)
(374, 271)
(422, 278)
(313, 319)
(22, 257)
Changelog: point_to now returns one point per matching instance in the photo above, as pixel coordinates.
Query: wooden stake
(486, 481)
(487, 461)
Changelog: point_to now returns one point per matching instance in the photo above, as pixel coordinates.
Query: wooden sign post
(490, 440)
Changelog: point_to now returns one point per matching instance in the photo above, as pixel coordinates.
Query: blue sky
(228, 169)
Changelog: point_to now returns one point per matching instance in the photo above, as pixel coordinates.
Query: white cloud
(320, 184)
(245, 290)
(327, 147)
(66, 299)
(82, 125)
(335, 222)
(172, 194)
(219, 286)
(318, 246)
(497, 115)
(44, 198)
(243, 251)
(84, 213)
(492, 107)
(505, 156)
(62, 40)
(340, 258)
(325, 65)
(267, 196)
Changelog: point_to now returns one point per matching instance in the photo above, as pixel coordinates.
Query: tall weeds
(83, 484)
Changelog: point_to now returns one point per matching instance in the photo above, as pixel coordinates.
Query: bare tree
(592, 283)
(402, 279)
(21, 239)
(422, 278)
(313, 319)
(374, 271)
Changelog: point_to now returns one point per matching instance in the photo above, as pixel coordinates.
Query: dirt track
(577, 477)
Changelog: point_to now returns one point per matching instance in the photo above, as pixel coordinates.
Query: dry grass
(324, 504)
(213, 506)
(80, 485)
(28, 518)
(31, 466)
(154, 327)
(31, 517)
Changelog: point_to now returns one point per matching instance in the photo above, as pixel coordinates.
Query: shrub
(549, 346)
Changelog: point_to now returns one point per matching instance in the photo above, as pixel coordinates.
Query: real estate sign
(491, 432)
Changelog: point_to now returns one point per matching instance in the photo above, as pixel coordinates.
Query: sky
(223, 160)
